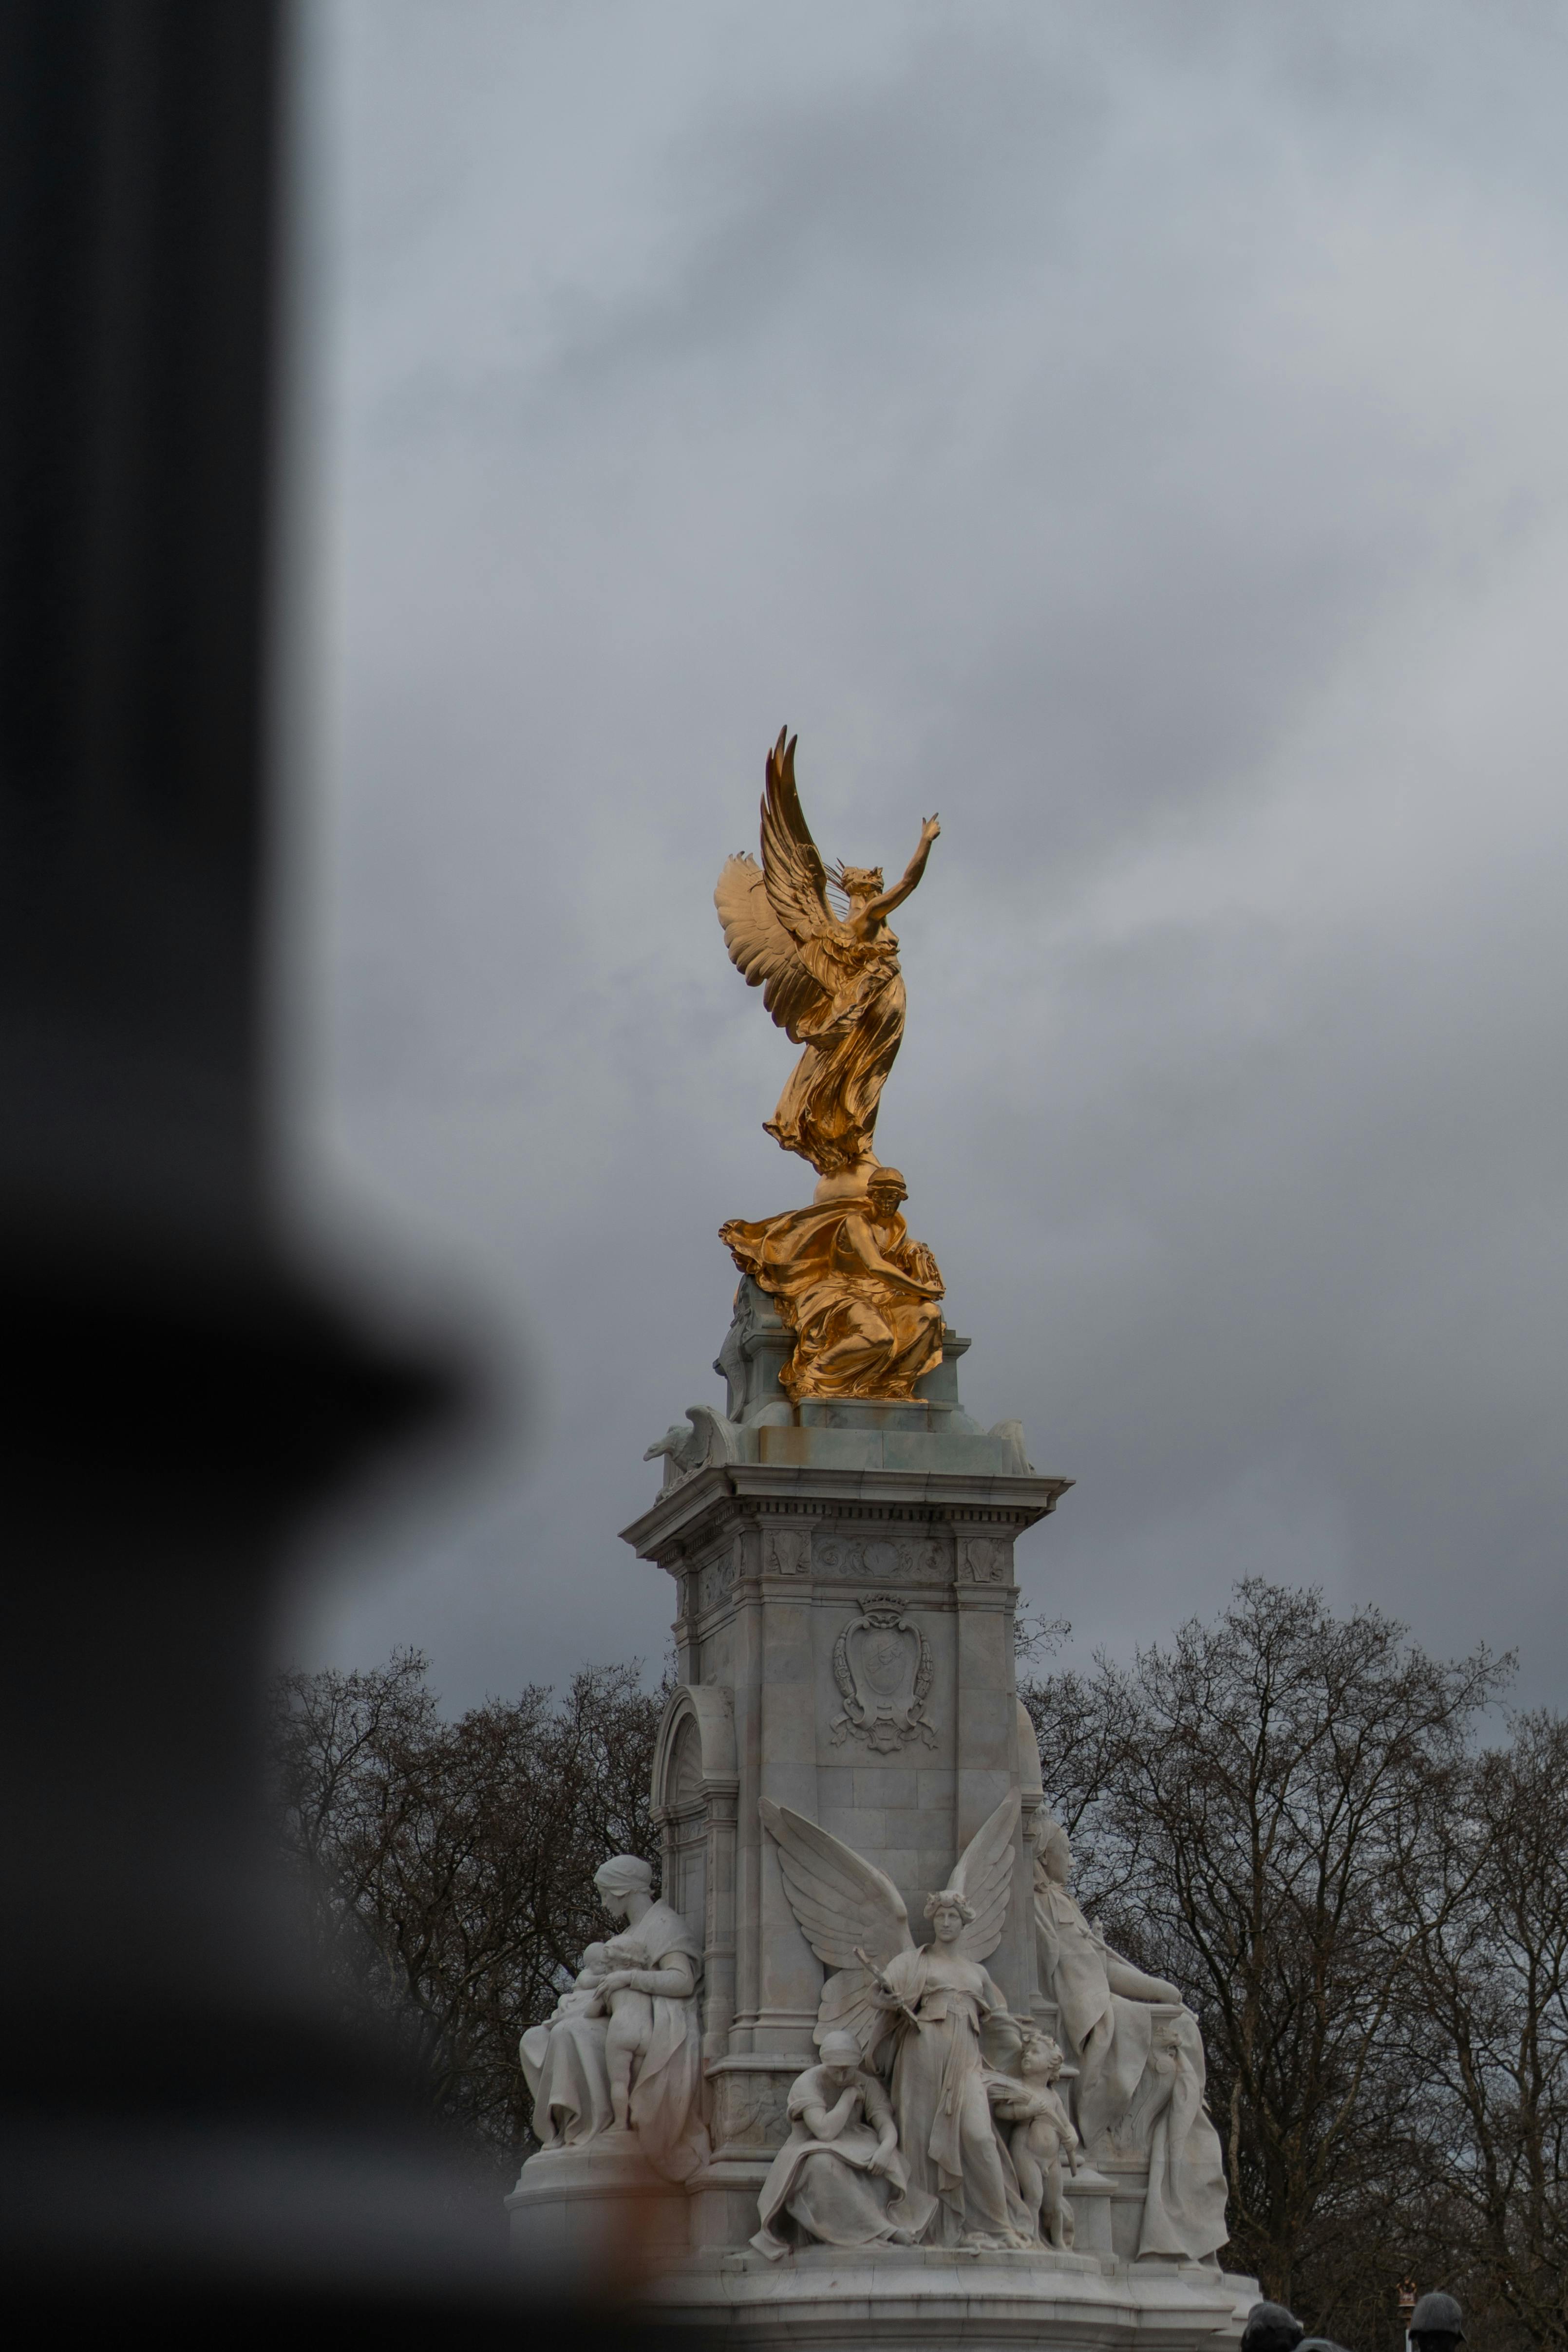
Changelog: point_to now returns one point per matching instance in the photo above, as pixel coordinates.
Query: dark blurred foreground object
(1436, 2324)
(185, 2143)
(1272, 2328)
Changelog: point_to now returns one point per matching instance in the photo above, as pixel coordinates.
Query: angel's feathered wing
(783, 936)
(985, 1879)
(840, 1901)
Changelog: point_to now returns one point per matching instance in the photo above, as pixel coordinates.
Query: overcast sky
(1137, 432)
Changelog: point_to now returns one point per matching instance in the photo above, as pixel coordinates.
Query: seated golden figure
(863, 1301)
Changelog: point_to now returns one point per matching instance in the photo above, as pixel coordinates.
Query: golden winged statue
(862, 1299)
(830, 979)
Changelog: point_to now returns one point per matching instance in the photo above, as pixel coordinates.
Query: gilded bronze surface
(831, 981)
(862, 1299)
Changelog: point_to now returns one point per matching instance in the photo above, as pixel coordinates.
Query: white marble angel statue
(930, 2000)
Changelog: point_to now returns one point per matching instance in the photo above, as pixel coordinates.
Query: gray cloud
(1136, 434)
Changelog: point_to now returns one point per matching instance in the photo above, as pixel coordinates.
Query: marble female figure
(1141, 2075)
(838, 2180)
(950, 2143)
(665, 2084)
(566, 2060)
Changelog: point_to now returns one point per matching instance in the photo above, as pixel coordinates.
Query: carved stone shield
(882, 1665)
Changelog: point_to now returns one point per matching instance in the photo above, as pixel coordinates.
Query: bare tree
(1488, 2031)
(448, 1866)
(1249, 1800)
(1284, 1811)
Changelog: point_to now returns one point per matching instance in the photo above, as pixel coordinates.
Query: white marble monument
(863, 2069)
(865, 2062)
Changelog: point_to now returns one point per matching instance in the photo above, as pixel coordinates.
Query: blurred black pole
(181, 2133)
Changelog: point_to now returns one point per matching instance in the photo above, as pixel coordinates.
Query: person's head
(1272, 2328)
(840, 2059)
(625, 1886)
(1052, 1850)
(860, 884)
(886, 1190)
(595, 1962)
(949, 1915)
(1436, 2324)
(1040, 2058)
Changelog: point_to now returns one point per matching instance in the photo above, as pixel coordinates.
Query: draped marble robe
(568, 2079)
(1124, 2081)
(666, 2112)
(823, 2191)
(950, 2144)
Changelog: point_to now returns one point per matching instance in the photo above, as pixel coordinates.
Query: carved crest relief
(879, 1556)
(982, 1559)
(717, 1581)
(750, 2110)
(784, 1551)
(883, 1666)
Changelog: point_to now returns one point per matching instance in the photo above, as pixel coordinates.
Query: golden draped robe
(856, 1332)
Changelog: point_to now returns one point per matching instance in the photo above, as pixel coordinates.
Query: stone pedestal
(823, 2300)
(844, 1635)
(845, 1597)
(1089, 2196)
(596, 2216)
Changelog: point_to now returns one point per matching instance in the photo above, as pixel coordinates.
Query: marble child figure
(1041, 2133)
(627, 2014)
(838, 2180)
(581, 1997)
(630, 2014)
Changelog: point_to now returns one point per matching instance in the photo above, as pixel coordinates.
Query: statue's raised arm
(880, 909)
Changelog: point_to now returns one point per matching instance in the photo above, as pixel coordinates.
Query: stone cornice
(681, 1514)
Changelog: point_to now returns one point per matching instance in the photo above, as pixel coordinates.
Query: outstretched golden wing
(793, 869)
(783, 936)
(763, 954)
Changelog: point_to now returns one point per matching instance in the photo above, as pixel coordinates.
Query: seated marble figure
(1140, 2059)
(838, 2180)
(621, 2051)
